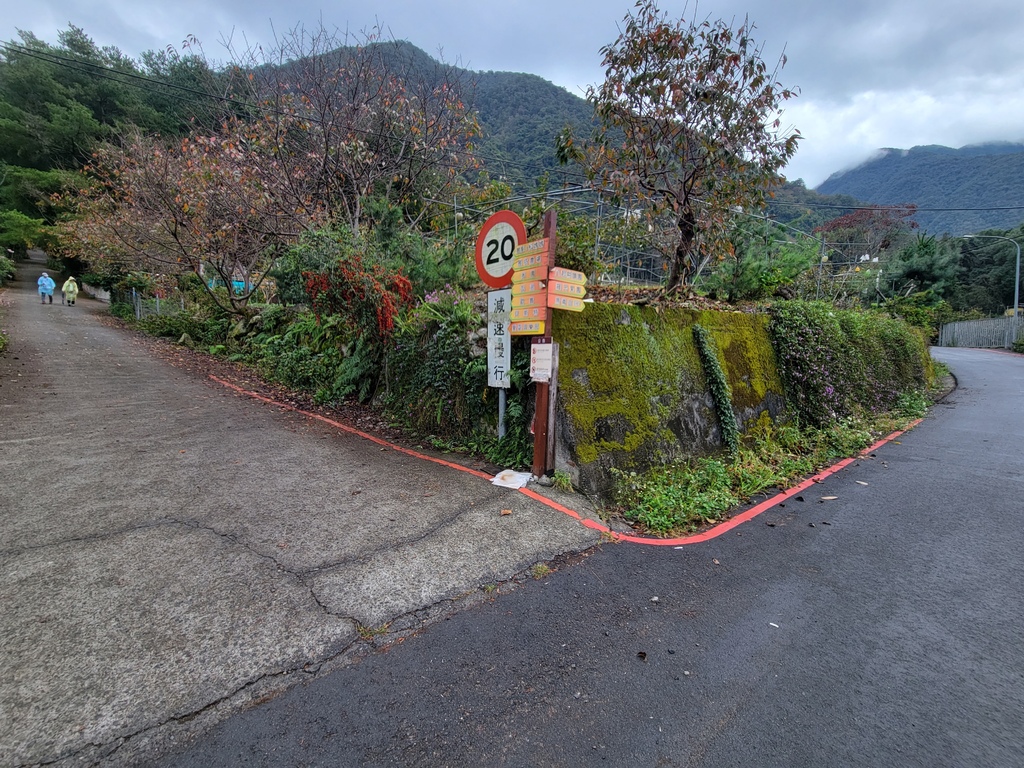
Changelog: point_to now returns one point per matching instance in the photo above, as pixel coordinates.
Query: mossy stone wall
(632, 393)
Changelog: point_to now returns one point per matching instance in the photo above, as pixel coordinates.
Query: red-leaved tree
(688, 129)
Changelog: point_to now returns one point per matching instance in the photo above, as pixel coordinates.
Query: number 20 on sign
(496, 247)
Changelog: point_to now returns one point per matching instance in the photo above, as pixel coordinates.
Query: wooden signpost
(538, 288)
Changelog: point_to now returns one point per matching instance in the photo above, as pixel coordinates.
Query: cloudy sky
(871, 74)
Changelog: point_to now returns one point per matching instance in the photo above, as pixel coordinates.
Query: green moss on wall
(620, 372)
(632, 391)
(750, 365)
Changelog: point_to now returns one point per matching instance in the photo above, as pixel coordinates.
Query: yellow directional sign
(534, 328)
(529, 313)
(529, 300)
(567, 275)
(564, 302)
(532, 286)
(526, 275)
(534, 246)
(559, 288)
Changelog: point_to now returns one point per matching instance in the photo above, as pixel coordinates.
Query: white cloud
(872, 74)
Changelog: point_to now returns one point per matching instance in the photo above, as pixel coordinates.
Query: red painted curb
(767, 504)
(697, 538)
(351, 430)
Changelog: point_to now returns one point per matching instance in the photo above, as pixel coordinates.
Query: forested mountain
(984, 177)
(796, 206)
(519, 114)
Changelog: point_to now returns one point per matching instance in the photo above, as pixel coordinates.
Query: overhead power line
(917, 208)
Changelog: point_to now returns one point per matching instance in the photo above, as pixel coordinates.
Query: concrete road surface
(171, 551)
(874, 619)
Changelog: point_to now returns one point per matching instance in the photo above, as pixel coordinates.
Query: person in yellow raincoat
(70, 291)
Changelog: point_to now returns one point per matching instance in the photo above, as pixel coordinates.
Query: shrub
(434, 379)
(367, 295)
(437, 382)
(315, 252)
(122, 310)
(6, 270)
(837, 362)
(678, 497)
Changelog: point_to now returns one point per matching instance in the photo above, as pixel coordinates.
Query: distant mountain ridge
(985, 177)
(521, 114)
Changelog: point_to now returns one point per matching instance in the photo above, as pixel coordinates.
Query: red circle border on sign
(501, 217)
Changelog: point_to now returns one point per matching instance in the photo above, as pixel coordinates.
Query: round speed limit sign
(496, 246)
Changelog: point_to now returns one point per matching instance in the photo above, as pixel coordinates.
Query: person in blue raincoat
(46, 286)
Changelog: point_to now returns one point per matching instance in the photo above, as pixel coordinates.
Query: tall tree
(688, 127)
(926, 264)
(207, 203)
(358, 118)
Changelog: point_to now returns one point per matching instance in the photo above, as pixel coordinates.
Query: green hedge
(836, 362)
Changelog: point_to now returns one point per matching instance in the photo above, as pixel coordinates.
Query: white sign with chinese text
(541, 360)
(499, 341)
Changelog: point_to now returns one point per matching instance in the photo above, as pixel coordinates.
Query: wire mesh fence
(143, 305)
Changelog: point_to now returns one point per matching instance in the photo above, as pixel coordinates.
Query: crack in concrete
(402, 626)
(443, 523)
(298, 576)
(92, 537)
(292, 675)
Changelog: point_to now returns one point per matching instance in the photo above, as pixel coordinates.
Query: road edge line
(712, 533)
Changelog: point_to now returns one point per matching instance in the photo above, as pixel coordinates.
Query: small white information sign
(499, 341)
(541, 358)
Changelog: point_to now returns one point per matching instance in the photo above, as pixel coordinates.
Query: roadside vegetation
(684, 497)
(310, 212)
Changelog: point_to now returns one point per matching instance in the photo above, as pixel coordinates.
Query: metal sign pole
(501, 413)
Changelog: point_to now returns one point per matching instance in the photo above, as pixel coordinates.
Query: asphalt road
(881, 628)
(172, 551)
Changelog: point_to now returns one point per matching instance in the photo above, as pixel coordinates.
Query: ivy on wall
(719, 387)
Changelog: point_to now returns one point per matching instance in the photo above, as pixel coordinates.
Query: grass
(369, 633)
(683, 497)
(562, 481)
(540, 570)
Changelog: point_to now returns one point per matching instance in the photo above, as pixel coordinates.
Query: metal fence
(626, 266)
(995, 333)
(167, 303)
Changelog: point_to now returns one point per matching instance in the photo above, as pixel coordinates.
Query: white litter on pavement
(509, 478)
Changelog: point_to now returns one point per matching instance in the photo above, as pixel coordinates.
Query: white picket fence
(995, 333)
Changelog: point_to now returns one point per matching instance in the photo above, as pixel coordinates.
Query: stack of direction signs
(536, 287)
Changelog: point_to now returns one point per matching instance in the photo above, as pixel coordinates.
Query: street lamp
(1016, 282)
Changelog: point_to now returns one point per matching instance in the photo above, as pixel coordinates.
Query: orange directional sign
(568, 276)
(526, 275)
(564, 302)
(528, 313)
(527, 252)
(558, 288)
(530, 328)
(531, 286)
(530, 300)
